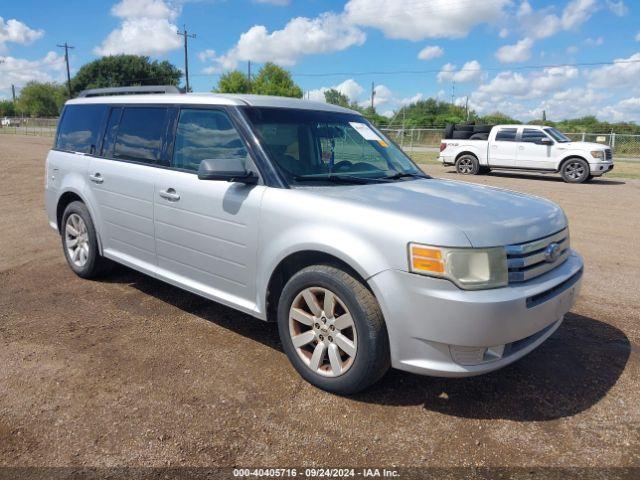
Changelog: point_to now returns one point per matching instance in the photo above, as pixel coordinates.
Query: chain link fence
(426, 139)
(410, 139)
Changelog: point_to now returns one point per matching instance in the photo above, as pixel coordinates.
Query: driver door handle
(96, 178)
(169, 194)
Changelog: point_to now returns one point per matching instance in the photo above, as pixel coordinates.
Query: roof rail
(145, 89)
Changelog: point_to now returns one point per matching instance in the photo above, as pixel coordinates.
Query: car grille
(532, 259)
(607, 153)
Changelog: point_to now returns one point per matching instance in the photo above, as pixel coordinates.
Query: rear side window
(506, 135)
(80, 128)
(140, 134)
(532, 135)
(205, 134)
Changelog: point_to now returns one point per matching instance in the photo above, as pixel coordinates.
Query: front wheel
(332, 330)
(467, 165)
(575, 170)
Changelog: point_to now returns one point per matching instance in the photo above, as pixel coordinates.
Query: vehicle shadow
(544, 177)
(566, 375)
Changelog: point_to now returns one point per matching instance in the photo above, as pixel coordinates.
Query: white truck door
(535, 150)
(503, 148)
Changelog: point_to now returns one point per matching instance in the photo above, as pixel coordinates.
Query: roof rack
(146, 89)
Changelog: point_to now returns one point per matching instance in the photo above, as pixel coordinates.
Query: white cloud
(14, 31)
(617, 7)
(18, 71)
(518, 52)
(637, 37)
(571, 49)
(329, 32)
(577, 12)
(420, 20)
(470, 72)
(624, 111)
(350, 88)
(432, 51)
(594, 42)
(545, 22)
(623, 73)
(409, 100)
(147, 29)
(504, 33)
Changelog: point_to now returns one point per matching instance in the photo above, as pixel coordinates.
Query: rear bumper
(437, 329)
(446, 161)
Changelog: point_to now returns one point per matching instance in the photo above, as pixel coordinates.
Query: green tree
(430, 112)
(124, 71)
(334, 97)
(39, 99)
(275, 80)
(7, 108)
(233, 82)
(497, 118)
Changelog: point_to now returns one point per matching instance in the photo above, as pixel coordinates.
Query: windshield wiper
(399, 175)
(339, 179)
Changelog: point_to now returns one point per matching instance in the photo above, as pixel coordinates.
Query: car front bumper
(438, 329)
(600, 168)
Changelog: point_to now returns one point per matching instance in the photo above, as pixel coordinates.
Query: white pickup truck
(523, 147)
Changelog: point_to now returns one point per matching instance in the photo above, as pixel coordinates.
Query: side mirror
(227, 169)
(545, 141)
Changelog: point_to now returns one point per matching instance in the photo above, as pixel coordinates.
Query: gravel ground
(129, 371)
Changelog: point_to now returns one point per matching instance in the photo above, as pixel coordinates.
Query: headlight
(598, 154)
(468, 268)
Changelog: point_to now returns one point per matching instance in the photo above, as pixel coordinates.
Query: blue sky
(516, 56)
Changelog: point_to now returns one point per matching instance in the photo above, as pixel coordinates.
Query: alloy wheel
(76, 239)
(575, 170)
(323, 331)
(465, 165)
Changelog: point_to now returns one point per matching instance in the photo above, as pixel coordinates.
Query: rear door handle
(96, 178)
(169, 194)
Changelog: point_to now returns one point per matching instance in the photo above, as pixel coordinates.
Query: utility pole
(466, 107)
(13, 92)
(453, 92)
(249, 74)
(373, 94)
(66, 59)
(186, 36)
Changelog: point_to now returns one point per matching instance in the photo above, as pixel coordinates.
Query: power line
(66, 59)
(186, 36)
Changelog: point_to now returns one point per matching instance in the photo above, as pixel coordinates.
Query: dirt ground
(129, 371)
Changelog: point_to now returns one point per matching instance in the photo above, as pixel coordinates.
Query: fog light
(475, 355)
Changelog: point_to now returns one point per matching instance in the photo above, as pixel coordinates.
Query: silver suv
(305, 214)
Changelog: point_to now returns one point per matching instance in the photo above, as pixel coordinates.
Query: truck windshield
(311, 146)
(557, 135)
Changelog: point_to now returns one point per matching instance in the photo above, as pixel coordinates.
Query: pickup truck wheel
(332, 330)
(80, 242)
(467, 165)
(575, 170)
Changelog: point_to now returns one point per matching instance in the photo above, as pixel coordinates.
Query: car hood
(488, 216)
(584, 145)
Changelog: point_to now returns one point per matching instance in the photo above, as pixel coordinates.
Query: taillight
(443, 146)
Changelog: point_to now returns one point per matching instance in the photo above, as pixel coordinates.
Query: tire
(461, 134)
(575, 170)
(479, 136)
(364, 361)
(448, 131)
(464, 128)
(467, 165)
(482, 129)
(589, 178)
(484, 170)
(88, 263)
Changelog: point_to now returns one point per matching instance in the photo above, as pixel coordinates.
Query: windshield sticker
(367, 133)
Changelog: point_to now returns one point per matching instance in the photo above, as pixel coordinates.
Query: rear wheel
(80, 242)
(467, 165)
(332, 330)
(575, 170)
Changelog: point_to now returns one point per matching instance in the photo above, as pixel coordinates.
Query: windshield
(557, 135)
(328, 147)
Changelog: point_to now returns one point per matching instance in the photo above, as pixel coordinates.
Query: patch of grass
(628, 169)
